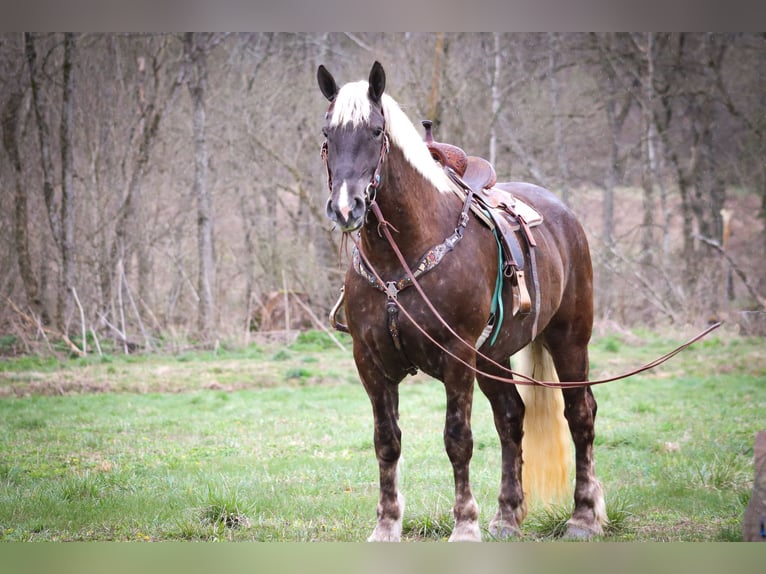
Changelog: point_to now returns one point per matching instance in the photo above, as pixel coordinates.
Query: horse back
(559, 221)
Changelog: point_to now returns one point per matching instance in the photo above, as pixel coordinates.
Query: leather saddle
(476, 171)
(499, 209)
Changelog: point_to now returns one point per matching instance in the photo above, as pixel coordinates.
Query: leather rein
(518, 378)
(392, 288)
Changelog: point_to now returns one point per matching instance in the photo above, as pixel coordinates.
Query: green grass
(275, 444)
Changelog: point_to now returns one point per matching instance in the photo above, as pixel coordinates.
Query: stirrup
(337, 325)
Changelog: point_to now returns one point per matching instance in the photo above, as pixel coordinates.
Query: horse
(381, 174)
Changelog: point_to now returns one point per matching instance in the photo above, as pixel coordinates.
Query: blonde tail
(546, 447)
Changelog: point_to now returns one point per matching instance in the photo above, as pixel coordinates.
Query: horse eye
(324, 132)
(377, 132)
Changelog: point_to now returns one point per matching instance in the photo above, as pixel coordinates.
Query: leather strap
(519, 378)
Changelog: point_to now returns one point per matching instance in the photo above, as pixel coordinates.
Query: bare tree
(67, 281)
(103, 198)
(197, 48)
(617, 105)
(195, 51)
(496, 104)
(11, 120)
(555, 94)
(60, 213)
(157, 88)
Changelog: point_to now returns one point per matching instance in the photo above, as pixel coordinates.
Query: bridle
(427, 262)
(371, 190)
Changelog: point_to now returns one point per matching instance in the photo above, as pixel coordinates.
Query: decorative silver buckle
(391, 290)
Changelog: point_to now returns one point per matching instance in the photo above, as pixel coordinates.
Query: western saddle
(500, 210)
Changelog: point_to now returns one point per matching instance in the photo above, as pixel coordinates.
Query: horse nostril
(330, 211)
(345, 208)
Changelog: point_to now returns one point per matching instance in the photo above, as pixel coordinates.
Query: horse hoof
(504, 532)
(389, 529)
(386, 533)
(580, 532)
(467, 532)
(380, 537)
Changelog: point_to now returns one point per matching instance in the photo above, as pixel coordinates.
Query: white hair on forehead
(352, 106)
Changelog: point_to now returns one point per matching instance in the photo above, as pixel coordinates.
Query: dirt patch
(28, 384)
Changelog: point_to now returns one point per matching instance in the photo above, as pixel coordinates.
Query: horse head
(355, 145)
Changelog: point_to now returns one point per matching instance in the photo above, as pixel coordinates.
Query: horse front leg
(458, 441)
(384, 396)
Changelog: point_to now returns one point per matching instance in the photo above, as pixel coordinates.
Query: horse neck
(421, 215)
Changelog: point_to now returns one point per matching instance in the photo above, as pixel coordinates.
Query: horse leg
(384, 397)
(570, 355)
(458, 441)
(508, 412)
(590, 510)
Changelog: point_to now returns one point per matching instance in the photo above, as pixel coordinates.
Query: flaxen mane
(352, 106)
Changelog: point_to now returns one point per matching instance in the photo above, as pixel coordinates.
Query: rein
(519, 378)
(393, 304)
(391, 289)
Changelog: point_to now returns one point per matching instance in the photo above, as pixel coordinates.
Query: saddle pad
(505, 200)
(498, 199)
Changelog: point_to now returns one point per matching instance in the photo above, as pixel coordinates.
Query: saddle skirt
(509, 218)
(506, 215)
(496, 198)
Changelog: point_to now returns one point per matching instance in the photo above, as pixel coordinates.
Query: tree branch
(720, 250)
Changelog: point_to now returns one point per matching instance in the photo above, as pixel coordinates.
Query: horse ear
(327, 83)
(377, 82)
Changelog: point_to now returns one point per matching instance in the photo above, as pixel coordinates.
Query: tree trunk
(197, 84)
(434, 109)
(495, 99)
(60, 217)
(44, 139)
(67, 277)
(613, 176)
(10, 126)
(554, 49)
(653, 157)
(647, 151)
(249, 243)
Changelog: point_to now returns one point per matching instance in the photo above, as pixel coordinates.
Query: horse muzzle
(347, 206)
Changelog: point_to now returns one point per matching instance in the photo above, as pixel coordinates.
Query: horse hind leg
(536, 414)
(508, 413)
(589, 515)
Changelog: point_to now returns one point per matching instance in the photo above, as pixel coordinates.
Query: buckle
(391, 290)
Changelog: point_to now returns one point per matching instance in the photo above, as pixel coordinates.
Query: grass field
(274, 443)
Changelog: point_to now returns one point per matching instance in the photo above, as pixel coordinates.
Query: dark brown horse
(375, 154)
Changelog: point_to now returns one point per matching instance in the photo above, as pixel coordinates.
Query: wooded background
(158, 188)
